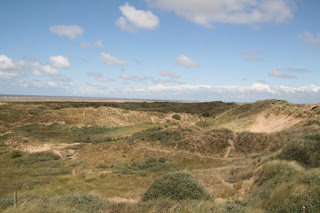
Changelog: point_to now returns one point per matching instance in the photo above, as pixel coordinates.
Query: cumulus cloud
(312, 41)
(133, 19)
(46, 68)
(99, 44)
(72, 31)
(60, 62)
(9, 68)
(278, 74)
(185, 61)
(111, 60)
(206, 12)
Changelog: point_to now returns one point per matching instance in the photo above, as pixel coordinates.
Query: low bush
(176, 116)
(304, 151)
(16, 154)
(285, 187)
(175, 186)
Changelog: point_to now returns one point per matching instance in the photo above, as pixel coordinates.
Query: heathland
(159, 157)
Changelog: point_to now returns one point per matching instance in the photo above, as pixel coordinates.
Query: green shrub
(16, 154)
(175, 186)
(285, 187)
(304, 151)
(176, 116)
(162, 160)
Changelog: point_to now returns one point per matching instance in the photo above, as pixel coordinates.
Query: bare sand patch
(273, 123)
(122, 200)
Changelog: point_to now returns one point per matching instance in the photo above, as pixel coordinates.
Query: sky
(197, 50)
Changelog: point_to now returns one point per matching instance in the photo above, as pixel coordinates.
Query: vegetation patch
(151, 164)
(286, 187)
(16, 154)
(304, 151)
(176, 186)
(176, 116)
(82, 202)
(67, 133)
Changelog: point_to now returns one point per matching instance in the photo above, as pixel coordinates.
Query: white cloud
(94, 74)
(134, 19)
(111, 60)
(9, 68)
(234, 93)
(60, 62)
(208, 12)
(185, 61)
(46, 68)
(99, 44)
(165, 73)
(278, 74)
(310, 40)
(103, 79)
(72, 31)
(36, 73)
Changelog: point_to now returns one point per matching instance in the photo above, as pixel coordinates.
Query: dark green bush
(175, 186)
(16, 154)
(176, 116)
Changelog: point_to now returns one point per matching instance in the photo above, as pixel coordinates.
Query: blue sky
(230, 50)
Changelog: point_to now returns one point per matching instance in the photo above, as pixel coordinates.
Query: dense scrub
(285, 187)
(305, 151)
(175, 186)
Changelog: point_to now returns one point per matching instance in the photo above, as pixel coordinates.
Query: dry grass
(120, 169)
